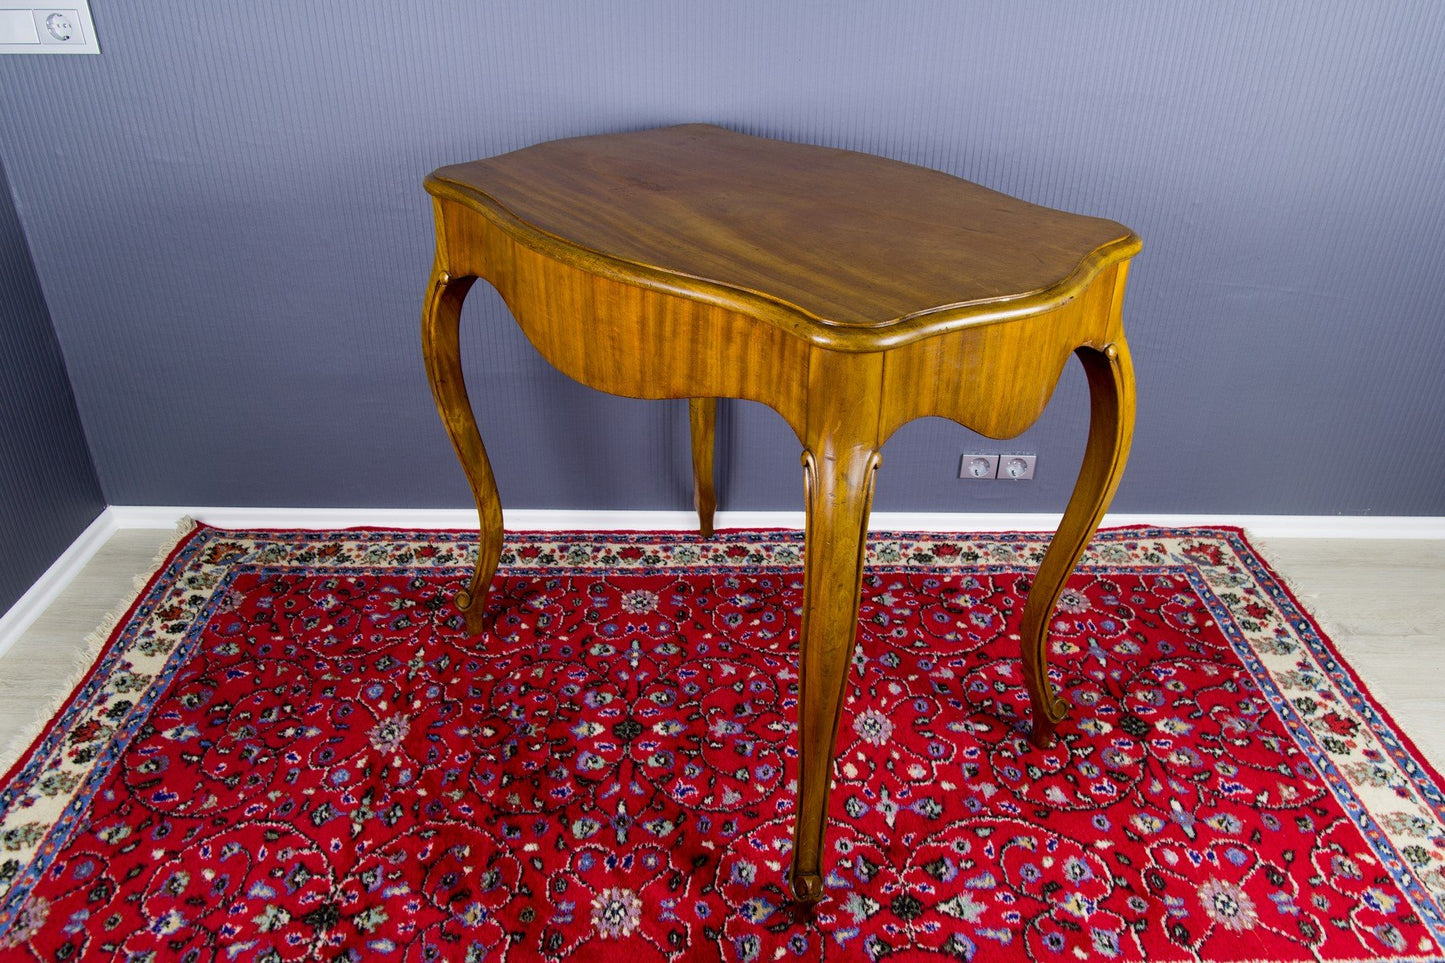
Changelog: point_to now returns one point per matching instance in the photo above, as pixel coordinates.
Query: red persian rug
(290, 749)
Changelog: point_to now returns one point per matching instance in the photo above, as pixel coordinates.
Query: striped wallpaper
(226, 216)
(48, 489)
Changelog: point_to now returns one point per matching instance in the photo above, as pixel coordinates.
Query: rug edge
(18, 751)
(1367, 687)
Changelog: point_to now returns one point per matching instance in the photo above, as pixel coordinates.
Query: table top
(810, 237)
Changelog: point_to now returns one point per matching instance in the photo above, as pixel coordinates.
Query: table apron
(629, 340)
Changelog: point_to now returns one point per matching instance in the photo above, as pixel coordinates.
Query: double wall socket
(26, 28)
(1011, 467)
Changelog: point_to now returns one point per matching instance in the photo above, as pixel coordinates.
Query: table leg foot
(839, 492)
(702, 421)
(807, 887)
(472, 600)
(1045, 720)
(1111, 427)
(441, 351)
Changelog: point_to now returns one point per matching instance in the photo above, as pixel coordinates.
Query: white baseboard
(537, 519)
(116, 517)
(38, 597)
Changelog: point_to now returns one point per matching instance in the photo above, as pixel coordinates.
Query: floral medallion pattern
(291, 749)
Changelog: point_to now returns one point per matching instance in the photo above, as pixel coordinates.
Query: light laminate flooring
(1382, 601)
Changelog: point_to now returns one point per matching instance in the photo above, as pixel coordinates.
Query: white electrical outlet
(28, 29)
(1016, 467)
(978, 466)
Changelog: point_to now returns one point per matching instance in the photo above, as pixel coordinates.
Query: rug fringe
(90, 650)
(1265, 550)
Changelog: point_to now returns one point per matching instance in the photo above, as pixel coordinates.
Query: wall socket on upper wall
(1008, 466)
(26, 28)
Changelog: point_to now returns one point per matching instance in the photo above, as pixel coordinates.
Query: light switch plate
(27, 28)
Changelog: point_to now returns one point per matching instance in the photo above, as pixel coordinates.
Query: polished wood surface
(850, 293)
(901, 249)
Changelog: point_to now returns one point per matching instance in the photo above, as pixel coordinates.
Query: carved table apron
(850, 293)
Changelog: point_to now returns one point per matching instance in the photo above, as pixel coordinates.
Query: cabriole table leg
(441, 350)
(1111, 427)
(839, 492)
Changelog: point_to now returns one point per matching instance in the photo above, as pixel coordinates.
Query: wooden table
(850, 293)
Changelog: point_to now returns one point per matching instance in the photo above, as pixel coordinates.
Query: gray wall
(48, 489)
(225, 210)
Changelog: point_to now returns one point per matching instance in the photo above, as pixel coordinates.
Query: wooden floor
(1383, 603)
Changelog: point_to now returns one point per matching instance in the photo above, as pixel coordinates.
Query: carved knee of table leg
(441, 351)
(1111, 428)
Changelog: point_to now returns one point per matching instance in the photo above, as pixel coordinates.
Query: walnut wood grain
(902, 250)
(840, 467)
(850, 293)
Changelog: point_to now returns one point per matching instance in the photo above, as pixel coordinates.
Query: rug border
(103, 639)
(1355, 678)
